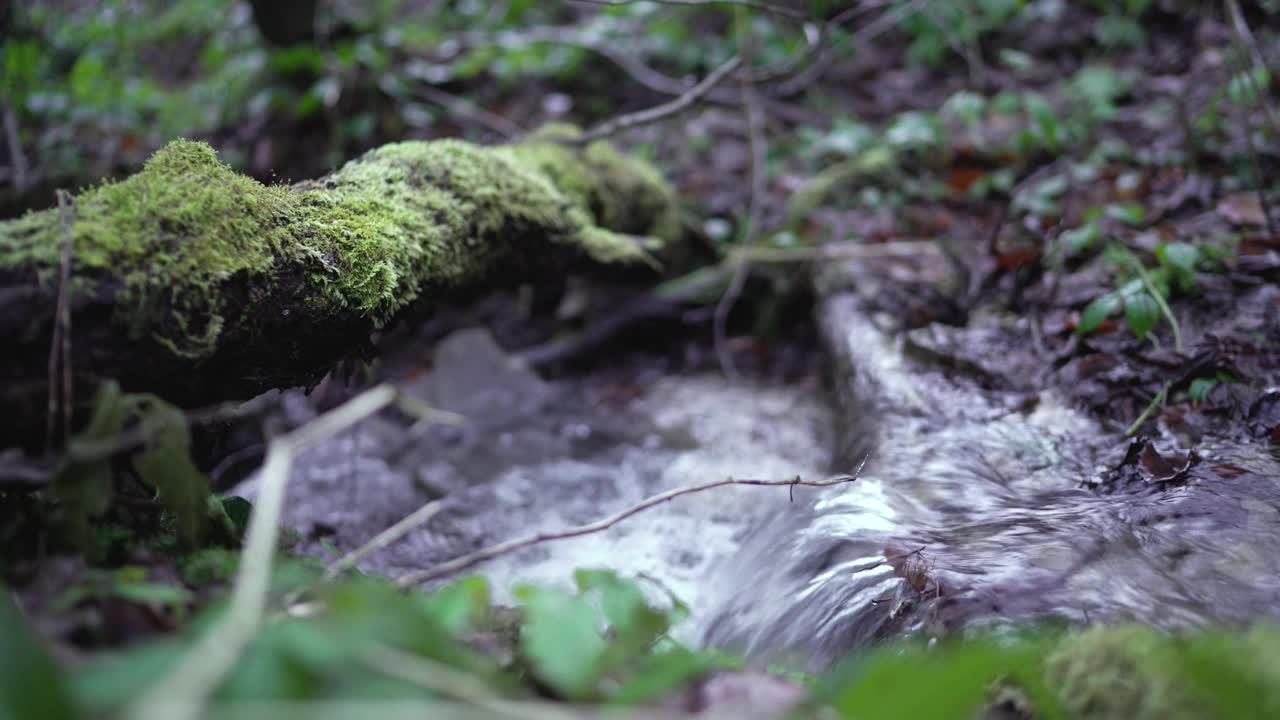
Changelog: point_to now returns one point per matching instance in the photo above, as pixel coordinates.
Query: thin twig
(1156, 402)
(665, 110)
(814, 60)
(60, 346)
(384, 539)
(21, 178)
(1251, 44)
(465, 108)
(235, 458)
(469, 560)
(1246, 39)
(759, 156)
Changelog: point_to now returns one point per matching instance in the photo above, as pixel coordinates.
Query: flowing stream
(969, 512)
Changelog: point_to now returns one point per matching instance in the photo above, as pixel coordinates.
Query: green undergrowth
(175, 246)
(607, 642)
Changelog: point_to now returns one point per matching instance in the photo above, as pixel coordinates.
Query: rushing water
(971, 511)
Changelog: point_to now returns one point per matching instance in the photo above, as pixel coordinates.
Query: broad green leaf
(914, 130)
(1097, 311)
(109, 681)
(1128, 213)
(166, 465)
(153, 593)
(660, 673)
(1141, 313)
(1080, 238)
(561, 641)
(1016, 59)
(1045, 120)
(1182, 258)
(1200, 388)
(965, 105)
(31, 686)
(85, 487)
(456, 607)
(946, 682)
(636, 625)
(238, 511)
(1099, 87)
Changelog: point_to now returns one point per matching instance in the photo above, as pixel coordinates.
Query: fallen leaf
(1242, 208)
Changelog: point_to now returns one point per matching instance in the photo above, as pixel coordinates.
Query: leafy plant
(605, 642)
(1141, 293)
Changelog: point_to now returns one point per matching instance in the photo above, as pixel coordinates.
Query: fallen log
(199, 284)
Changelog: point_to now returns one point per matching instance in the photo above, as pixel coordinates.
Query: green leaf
(456, 607)
(1128, 213)
(1097, 311)
(1045, 121)
(965, 105)
(1078, 239)
(914, 130)
(110, 680)
(166, 465)
(238, 511)
(1016, 59)
(153, 593)
(636, 625)
(84, 488)
(1200, 388)
(950, 681)
(660, 673)
(1141, 312)
(561, 641)
(1182, 258)
(31, 686)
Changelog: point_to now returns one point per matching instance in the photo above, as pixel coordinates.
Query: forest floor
(1110, 178)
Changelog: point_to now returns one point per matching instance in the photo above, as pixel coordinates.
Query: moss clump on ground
(187, 250)
(1135, 672)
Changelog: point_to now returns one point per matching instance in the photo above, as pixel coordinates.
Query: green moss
(416, 214)
(841, 177)
(1134, 672)
(1118, 673)
(166, 236)
(179, 245)
(621, 193)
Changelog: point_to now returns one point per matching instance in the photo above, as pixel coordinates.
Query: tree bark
(201, 285)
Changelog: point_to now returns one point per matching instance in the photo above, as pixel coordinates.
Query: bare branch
(665, 110)
(18, 160)
(469, 560)
(384, 538)
(463, 107)
(759, 155)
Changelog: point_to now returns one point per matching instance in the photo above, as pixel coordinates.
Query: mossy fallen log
(199, 284)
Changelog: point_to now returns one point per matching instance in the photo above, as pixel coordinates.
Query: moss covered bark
(198, 283)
